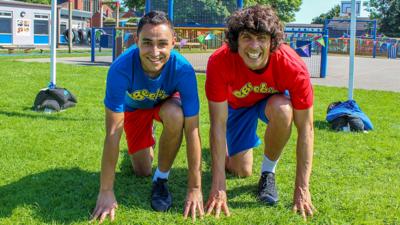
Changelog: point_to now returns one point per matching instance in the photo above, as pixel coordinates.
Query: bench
(11, 48)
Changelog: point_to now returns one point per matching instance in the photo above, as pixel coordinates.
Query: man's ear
(136, 39)
(173, 41)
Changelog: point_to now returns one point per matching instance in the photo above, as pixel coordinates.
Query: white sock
(159, 174)
(268, 165)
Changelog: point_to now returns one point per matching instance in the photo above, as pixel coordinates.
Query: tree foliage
(134, 4)
(388, 14)
(44, 2)
(203, 11)
(215, 9)
(286, 9)
(334, 12)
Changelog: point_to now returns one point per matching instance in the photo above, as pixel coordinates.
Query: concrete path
(371, 74)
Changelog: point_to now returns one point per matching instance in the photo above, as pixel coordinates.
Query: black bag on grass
(55, 99)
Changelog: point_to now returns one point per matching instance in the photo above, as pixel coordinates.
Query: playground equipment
(312, 47)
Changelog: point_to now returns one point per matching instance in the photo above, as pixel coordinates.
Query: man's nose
(155, 51)
(254, 43)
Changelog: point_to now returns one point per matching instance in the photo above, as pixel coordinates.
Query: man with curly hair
(255, 76)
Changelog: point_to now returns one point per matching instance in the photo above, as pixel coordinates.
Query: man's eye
(263, 38)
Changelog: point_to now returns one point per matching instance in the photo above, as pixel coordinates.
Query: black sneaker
(267, 192)
(161, 199)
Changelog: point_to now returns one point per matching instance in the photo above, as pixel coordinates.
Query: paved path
(371, 74)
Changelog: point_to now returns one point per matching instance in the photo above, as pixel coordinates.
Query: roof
(75, 12)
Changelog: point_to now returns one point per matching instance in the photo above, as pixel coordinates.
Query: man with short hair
(255, 76)
(151, 82)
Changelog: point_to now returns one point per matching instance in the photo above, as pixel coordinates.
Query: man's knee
(172, 116)
(280, 110)
(240, 170)
(141, 162)
(244, 171)
(142, 171)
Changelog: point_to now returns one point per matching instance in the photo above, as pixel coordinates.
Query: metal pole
(101, 14)
(53, 42)
(324, 53)
(171, 10)
(147, 6)
(117, 19)
(374, 36)
(239, 4)
(114, 50)
(70, 26)
(352, 47)
(93, 44)
(58, 27)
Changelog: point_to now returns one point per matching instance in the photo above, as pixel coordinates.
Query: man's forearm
(218, 153)
(305, 146)
(194, 159)
(109, 162)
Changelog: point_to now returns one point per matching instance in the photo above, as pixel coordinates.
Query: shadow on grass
(69, 195)
(29, 114)
(322, 125)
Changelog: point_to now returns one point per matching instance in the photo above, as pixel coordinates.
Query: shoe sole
(268, 201)
(166, 210)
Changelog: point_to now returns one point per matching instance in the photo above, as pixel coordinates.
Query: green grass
(49, 164)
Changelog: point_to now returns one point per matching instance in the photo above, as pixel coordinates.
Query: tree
(214, 11)
(134, 4)
(285, 9)
(202, 11)
(388, 14)
(334, 12)
(44, 2)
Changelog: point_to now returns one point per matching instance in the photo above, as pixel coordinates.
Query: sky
(313, 8)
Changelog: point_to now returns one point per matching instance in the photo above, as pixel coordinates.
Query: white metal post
(53, 42)
(352, 47)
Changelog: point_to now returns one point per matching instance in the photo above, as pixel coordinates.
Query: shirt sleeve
(216, 84)
(116, 87)
(187, 88)
(301, 93)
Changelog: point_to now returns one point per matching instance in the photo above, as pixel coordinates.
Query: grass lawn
(50, 163)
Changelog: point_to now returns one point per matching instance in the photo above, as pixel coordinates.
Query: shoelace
(161, 188)
(266, 186)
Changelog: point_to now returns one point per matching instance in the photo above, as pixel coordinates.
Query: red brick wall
(78, 4)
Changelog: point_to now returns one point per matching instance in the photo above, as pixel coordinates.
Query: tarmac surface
(369, 73)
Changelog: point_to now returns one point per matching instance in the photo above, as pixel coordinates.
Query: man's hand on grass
(302, 202)
(216, 202)
(194, 202)
(106, 205)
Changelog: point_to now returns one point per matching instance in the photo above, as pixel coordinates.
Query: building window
(5, 22)
(86, 5)
(41, 24)
(96, 6)
(63, 27)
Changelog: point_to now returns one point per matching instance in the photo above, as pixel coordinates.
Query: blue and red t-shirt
(228, 78)
(129, 88)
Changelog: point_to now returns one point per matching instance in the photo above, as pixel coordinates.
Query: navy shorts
(242, 127)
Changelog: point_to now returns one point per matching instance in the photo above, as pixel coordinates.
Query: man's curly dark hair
(256, 19)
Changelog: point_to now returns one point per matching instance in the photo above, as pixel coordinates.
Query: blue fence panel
(5, 38)
(41, 39)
